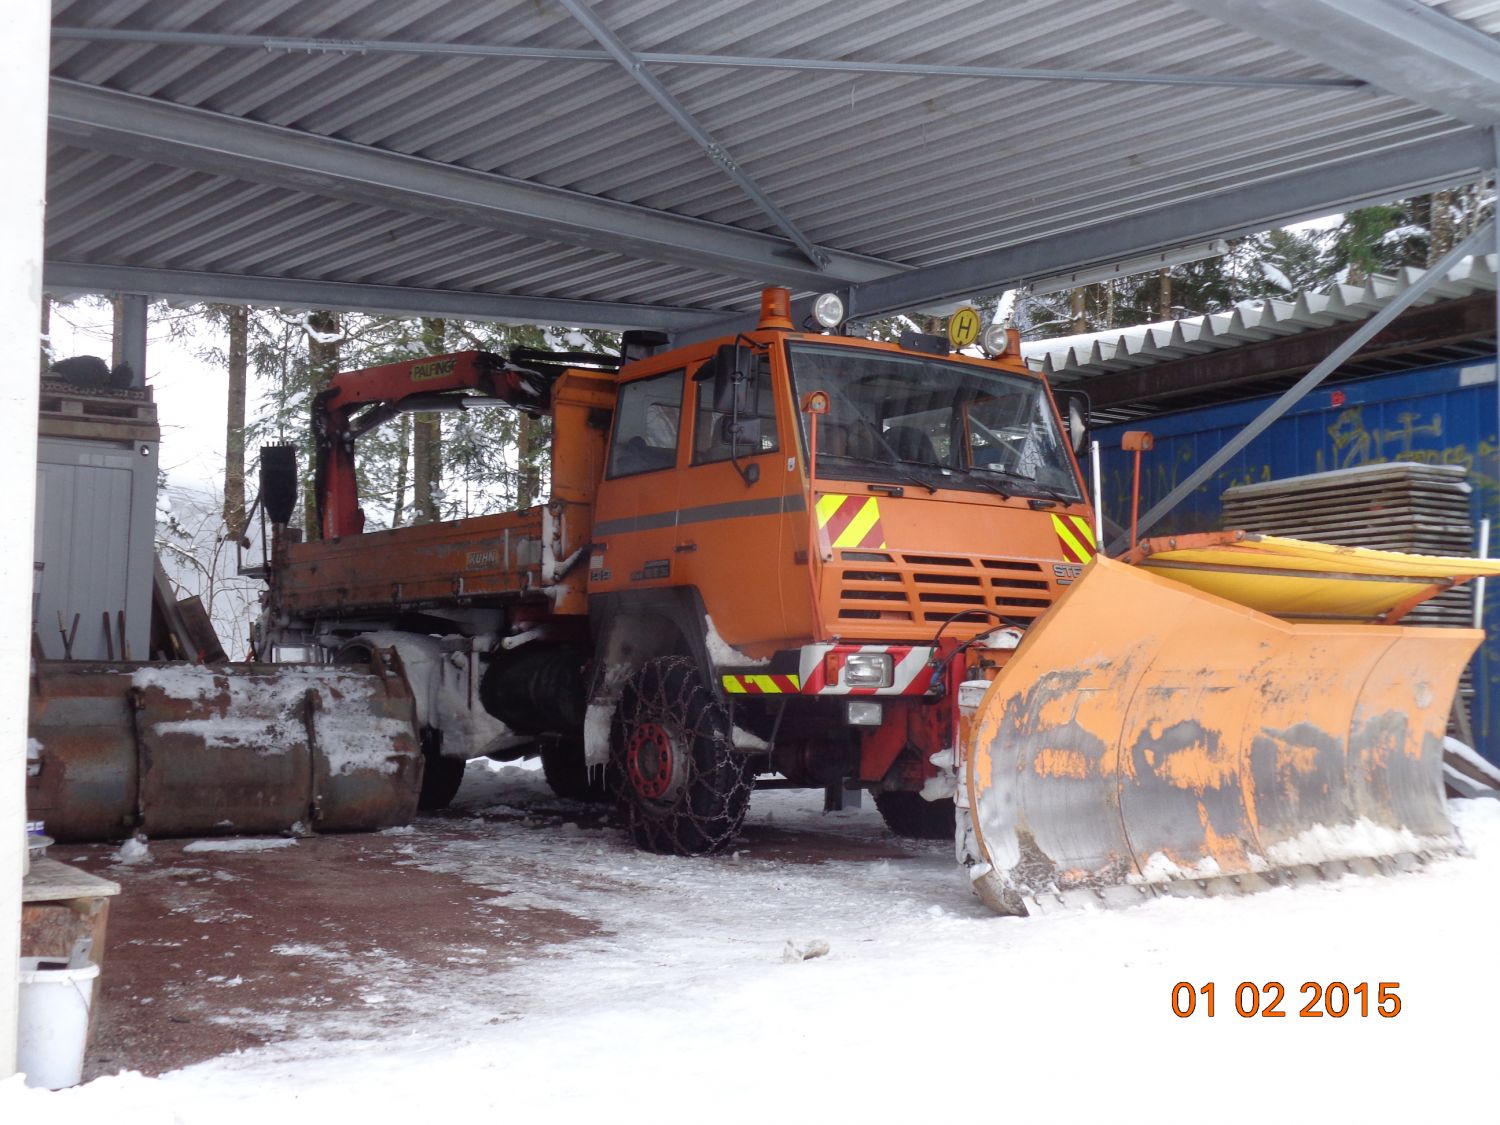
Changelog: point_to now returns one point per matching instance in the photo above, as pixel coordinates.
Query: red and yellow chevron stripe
(1076, 537)
(851, 522)
(761, 685)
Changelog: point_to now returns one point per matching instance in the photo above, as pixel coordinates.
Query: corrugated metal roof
(916, 170)
(1068, 359)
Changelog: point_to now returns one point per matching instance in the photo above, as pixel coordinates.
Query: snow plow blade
(1150, 737)
(220, 750)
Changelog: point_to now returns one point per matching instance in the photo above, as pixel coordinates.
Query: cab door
(635, 523)
(739, 496)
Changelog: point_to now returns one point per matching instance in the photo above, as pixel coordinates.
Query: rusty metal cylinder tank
(230, 749)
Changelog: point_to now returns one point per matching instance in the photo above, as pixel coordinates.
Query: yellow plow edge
(1160, 731)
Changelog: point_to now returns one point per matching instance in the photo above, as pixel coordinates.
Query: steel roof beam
(182, 136)
(1402, 46)
(302, 45)
(84, 277)
(1235, 209)
(633, 66)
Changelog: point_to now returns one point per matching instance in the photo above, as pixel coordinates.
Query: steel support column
(23, 132)
(130, 335)
(1478, 242)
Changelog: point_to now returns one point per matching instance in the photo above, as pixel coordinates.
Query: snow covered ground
(925, 1008)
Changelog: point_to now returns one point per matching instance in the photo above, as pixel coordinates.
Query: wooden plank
(203, 641)
(51, 881)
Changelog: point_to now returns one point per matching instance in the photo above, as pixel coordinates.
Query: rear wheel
(910, 815)
(441, 775)
(569, 774)
(441, 778)
(680, 787)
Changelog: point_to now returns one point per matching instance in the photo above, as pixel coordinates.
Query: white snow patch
(318, 335)
(265, 713)
(1275, 276)
(944, 783)
(724, 654)
(745, 740)
(1322, 843)
(242, 844)
(1471, 756)
(794, 952)
(132, 851)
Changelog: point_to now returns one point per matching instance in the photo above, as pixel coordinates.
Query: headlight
(828, 310)
(995, 341)
(868, 669)
(863, 713)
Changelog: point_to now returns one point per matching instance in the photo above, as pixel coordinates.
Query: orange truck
(798, 558)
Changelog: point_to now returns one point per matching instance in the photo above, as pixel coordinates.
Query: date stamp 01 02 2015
(1335, 999)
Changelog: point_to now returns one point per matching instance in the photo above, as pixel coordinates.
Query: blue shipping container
(1441, 415)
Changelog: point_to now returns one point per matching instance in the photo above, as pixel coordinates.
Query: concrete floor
(214, 952)
(202, 952)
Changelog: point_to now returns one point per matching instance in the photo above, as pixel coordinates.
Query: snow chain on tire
(680, 786)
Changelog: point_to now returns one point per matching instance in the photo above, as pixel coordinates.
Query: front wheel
(679, 785)
(911, 815)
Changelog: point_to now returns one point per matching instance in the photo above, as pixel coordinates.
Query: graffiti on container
(1353, 443)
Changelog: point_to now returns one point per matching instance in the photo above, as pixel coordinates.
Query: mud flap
(184, 750)
(1150, 738)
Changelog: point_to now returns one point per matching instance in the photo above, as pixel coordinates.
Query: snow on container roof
(1070, 358)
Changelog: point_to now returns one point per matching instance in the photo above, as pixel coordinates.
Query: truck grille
(929, 589)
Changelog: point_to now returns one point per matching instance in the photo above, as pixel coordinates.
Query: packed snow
(826, 971)
(242, 844)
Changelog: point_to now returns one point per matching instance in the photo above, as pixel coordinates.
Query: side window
(711, 430)
(647, 416)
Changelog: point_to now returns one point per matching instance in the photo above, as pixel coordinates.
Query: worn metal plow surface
(1151, 738)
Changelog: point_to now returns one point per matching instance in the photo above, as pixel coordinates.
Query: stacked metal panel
(1399, 506)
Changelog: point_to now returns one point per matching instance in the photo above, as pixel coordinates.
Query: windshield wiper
(912, 478)
(988, 485)
(977, 475)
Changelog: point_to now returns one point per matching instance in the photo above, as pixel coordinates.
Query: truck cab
(834, 534)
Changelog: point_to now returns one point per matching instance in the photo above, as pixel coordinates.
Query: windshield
(948, 425)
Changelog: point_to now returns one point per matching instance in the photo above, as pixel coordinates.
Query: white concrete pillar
(23, 138)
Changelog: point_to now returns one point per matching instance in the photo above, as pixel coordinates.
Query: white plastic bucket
(53, 1027)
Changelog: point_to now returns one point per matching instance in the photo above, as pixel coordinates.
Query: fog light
(868, 669)
(863, 712)
(828, 310)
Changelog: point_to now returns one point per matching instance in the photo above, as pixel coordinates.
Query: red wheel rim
(649, 760)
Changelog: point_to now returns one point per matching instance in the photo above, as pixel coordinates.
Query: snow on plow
(1229, 713)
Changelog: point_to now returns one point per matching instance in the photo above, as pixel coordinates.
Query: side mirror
(735, 390)
(1074, 406)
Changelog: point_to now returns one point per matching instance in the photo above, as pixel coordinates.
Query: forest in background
(425, 467)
